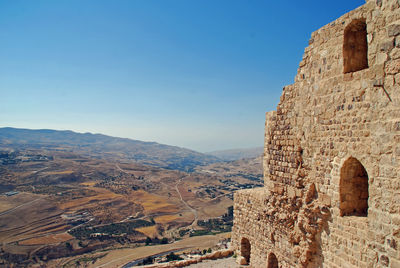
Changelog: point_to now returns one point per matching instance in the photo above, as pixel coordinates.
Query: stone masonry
(331, 195)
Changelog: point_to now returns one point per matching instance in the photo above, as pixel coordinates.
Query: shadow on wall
(245, 249)
(355, 46)
(272, 261)
(353, 189)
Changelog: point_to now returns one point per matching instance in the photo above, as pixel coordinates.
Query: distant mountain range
(105, 147)
(236, 154)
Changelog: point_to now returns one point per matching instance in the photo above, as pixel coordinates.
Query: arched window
(353, 189)
(355, 46)
(272, 261)
(245, 249)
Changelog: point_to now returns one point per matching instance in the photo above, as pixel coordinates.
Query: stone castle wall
(331, 195)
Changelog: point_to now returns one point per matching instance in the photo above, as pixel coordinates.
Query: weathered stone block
(387, 45)
(393, 30)
(393, 67)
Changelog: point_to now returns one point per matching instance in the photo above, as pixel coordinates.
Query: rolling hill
(106, 147)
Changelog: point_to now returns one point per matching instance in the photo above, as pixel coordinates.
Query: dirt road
(186, 204)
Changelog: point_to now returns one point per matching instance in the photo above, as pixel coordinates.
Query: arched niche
(245, 249)
(353, 189)
(272, 261)
(355, 46)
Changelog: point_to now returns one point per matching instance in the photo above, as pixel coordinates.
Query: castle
(331, 195)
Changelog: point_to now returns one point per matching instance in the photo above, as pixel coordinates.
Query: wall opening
(355, 46)
(272, 261)
(245, 249)
(353, 189)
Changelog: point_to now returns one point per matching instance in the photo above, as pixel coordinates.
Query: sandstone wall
(326, 123)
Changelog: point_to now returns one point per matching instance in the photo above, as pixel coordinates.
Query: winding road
(185, 203)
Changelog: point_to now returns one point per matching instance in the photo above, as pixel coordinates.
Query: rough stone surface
(331, 195)
(221, 254)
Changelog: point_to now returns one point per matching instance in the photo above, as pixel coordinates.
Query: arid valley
(63, 205)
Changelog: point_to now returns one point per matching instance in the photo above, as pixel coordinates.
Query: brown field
(153, 203)
(54, 227)
(150, 231)
(101, 195)
(88, 183)
(213, 209)
(6, 206)
(10, 202)
(186, 195)
(166, 219)
(48, 239)
(23, 173)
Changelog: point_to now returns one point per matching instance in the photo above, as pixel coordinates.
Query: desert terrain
(60, 207)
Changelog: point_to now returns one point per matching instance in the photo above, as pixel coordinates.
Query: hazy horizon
(194, 74)
(95, 133)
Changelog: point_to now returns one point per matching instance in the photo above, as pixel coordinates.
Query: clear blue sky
(193, 73)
